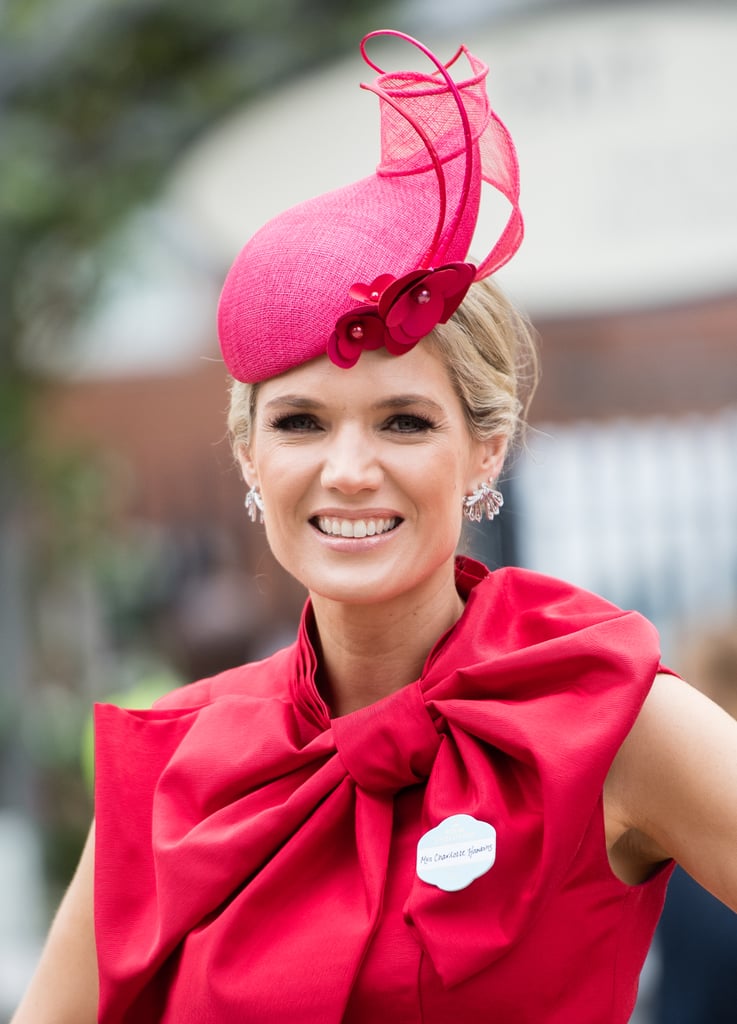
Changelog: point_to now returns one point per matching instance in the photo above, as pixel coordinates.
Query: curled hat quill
(380, 262)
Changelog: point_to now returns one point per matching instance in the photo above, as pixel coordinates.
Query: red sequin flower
(397, 313)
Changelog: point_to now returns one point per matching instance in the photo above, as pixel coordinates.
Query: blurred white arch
(624, 121)
(623, 116)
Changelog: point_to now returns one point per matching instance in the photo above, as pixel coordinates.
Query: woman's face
(363, 473)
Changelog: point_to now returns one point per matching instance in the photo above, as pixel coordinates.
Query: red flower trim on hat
(360, 329)
(371, 292)
(400, 311)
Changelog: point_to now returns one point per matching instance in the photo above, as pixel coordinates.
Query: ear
(248, 469)
(490, 459)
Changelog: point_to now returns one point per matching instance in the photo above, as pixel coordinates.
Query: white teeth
(355, 528)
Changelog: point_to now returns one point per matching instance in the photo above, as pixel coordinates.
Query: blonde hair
(489, 350)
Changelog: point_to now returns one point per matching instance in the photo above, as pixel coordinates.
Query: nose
(351, 464)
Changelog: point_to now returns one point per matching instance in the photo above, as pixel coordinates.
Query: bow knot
(388, 745)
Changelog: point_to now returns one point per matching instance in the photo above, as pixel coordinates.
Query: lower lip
(356, 544)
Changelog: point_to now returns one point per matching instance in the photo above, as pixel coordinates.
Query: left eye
(406, 424)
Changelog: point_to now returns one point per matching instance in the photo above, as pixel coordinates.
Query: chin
(360, 586)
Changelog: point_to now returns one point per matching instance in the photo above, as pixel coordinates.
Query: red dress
(256, 860)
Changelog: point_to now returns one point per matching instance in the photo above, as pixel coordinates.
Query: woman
(458, 790)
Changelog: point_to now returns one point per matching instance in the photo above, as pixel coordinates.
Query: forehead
(376, 375)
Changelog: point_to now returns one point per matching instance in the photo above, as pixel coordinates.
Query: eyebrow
(404, 401)
(401, 401)
(295, 401)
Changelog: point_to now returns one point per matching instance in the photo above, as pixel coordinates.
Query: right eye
(295, 423)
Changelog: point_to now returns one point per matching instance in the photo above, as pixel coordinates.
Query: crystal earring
(485, 501)
(255, 505)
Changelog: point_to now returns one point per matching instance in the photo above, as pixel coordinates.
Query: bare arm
(672, 789)
(64, 989)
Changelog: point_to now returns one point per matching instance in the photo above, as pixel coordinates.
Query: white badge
(457, 851)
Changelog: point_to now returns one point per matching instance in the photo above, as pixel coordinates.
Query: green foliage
(97, 99)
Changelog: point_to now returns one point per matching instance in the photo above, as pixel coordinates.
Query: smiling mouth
(355, 528)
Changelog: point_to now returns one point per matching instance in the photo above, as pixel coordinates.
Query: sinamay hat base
(381, 261)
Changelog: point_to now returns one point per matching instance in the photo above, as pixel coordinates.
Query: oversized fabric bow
(243, 832)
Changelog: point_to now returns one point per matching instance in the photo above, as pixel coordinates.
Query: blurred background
(141, 143)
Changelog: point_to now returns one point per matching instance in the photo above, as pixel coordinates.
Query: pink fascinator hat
(379, 263)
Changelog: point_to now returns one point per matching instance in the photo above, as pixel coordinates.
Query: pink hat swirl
(381, 262)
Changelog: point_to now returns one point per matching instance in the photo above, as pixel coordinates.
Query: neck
(366, 652)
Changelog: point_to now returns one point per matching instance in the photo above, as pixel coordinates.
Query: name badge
(456, 852)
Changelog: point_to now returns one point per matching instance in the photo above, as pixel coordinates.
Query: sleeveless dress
(257, 861)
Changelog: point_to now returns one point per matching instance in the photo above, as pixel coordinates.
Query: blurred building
(623, 119)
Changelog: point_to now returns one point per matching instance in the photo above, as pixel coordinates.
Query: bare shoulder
(672, 789)
(64, 989)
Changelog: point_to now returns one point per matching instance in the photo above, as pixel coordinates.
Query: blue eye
(405, 423)
(295, 423)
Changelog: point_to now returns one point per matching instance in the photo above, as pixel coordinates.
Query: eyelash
(420, 424)
(294, 423)
(299, 423)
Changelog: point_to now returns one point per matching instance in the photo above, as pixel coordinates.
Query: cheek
(281, 470)
(286, 481)
(442, 490)
(448, 472)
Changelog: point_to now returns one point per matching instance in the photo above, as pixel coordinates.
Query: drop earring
(484, 502)
(255, 505)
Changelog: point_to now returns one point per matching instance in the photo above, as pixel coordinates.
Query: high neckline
(305, 689)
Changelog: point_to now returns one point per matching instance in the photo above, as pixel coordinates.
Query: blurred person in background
(458, 791)
(696, 940)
